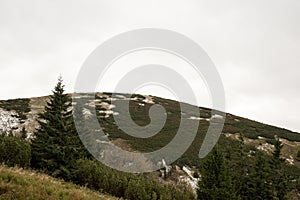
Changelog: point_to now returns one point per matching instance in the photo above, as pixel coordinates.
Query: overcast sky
(255, 46)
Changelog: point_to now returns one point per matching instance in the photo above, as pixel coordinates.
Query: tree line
(263, 178)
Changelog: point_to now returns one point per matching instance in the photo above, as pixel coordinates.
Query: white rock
(86, 112)
(196, 118)
(216, 116)
(290, 160)
(8, 121)
(120, 96)
(148, 99)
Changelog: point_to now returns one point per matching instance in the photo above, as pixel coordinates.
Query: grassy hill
(16, 183)
(257, 136)
(24, 112)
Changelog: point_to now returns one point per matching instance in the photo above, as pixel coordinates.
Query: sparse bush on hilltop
(21, 106)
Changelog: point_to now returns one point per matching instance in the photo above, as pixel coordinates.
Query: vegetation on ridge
(246, 168)
(58, 151)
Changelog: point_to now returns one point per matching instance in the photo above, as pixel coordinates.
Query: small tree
(280, 180)
(241, 170)
(276, 154)
(196, 175)
(215, 181)
(260, 183)
(23, 134)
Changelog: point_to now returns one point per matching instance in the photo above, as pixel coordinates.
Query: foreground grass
(19, 184)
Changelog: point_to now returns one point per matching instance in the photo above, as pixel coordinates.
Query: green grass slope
(19, 184)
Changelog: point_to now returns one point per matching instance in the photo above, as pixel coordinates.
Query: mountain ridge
(227, 113)
(16, 114)
(19, 115)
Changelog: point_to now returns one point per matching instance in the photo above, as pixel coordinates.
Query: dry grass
(19, 184)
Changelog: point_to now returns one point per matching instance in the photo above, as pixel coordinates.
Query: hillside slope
(19, 184)
(22, 113)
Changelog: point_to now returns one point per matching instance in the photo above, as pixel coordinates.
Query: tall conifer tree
(215, 181)
(56, 145)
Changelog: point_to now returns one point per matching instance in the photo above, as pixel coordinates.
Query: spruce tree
(56, 145)
(215, 181)
(280, 180)
(260, 183)
(241, 170)
(277, 160)
(23, 134)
